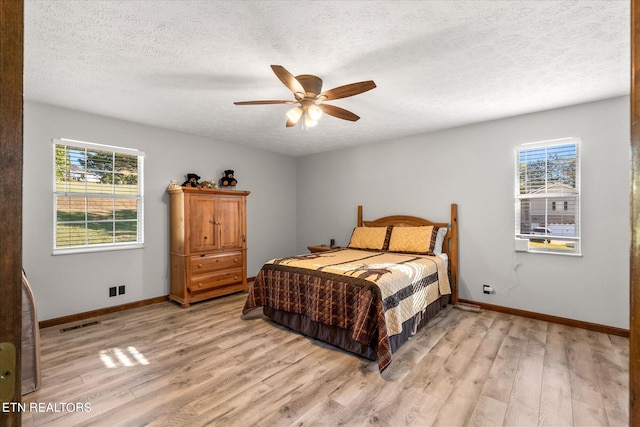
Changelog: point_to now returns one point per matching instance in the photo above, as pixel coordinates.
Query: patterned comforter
(367, 293)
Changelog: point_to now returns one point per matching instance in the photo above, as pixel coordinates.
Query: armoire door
(231, 222)
(202, 223)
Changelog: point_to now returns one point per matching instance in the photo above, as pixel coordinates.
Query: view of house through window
(548, 196)
(98, 195)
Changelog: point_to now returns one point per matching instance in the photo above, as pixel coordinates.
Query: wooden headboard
(449, 246)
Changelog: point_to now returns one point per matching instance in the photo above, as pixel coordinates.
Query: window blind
(548, 196)
(98, 197)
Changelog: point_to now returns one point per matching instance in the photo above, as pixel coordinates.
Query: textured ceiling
(437, 64)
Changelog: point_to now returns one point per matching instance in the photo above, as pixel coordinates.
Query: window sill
(105, 248)
(529, 251)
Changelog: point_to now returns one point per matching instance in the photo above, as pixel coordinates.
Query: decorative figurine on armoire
(228, 180)
(192, 180)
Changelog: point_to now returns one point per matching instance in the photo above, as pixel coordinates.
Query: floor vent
(84, 325)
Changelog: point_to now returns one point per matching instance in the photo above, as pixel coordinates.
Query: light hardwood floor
(161, 365)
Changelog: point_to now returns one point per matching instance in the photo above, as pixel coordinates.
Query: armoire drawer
(213, 280)
(215, 262)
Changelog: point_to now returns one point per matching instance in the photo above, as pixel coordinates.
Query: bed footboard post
(454, 253)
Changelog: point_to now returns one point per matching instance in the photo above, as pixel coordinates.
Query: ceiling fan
(307, 91)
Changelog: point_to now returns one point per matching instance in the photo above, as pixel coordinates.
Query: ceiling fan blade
(264, 102)
(338, 112)
(347, 90)
(291, 123)
(289, 80)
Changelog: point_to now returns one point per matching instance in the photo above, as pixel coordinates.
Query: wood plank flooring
(161, 365)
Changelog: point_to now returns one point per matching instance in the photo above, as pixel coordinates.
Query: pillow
(376, 238)
(414, 240)
(437, 249)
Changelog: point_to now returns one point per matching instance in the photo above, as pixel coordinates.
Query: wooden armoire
(208, 243)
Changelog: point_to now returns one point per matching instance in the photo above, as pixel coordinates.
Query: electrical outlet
(112, 291)
(487, 289)
(121, 290)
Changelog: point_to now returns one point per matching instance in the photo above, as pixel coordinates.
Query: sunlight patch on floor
(114, 357)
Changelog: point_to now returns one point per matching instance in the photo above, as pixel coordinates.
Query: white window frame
(556, 244)
(87, 195)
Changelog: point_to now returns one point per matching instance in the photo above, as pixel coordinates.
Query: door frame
(634, 273)
(11, 152)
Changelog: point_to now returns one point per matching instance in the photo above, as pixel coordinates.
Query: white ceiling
(437, 64)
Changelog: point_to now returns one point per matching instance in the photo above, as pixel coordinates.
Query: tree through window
(98, 197)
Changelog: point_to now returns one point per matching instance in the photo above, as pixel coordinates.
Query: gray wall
(70, 284)
(474, 167)
(308, 200)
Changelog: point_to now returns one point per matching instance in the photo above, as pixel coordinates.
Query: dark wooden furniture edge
(553, 319)
(321, 248)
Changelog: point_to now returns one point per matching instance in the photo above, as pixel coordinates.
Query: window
(548, 175)
(97, 196)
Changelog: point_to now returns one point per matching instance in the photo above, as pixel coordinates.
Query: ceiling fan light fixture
(294, 114)
(308, 121)
(314, 112)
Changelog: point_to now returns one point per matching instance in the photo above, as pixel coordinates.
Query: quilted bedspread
(367, 293)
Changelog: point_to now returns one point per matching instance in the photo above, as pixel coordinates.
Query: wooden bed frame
(449, 246)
